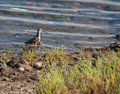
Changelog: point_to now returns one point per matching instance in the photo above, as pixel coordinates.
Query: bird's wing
(32, 41)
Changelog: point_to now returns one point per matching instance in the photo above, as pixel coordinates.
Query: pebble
(38, 65)
(2, 65)
(17, 65)
(12, 63)
(21, 89)
(27, 67)
(21, 69)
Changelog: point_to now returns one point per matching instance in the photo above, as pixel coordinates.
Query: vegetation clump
(76, 73)
(87, 76)
(28, 55)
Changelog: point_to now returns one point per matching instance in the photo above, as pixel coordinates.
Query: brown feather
(35, 40)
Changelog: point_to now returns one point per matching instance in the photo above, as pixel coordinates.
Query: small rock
(17, 65)
(21, 89)
(118, 37)
(38, 65)
(27, 67)
(21, 69)
(2, 65)
(21, 66)
(6, 79)
(12, 63)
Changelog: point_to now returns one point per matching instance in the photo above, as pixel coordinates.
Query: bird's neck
(38, 34)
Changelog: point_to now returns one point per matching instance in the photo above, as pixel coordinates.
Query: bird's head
(40, 29)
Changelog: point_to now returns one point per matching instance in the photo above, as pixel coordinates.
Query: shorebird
(36, 40)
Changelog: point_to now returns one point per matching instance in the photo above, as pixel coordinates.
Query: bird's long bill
(45, 32)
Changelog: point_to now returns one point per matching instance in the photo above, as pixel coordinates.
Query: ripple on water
(69, 24)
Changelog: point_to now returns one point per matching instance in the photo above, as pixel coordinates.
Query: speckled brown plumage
(36, 39)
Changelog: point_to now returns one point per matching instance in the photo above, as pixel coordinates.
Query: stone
(27, 67)
(21, 69)
(12, 63)
(2, 65)
(17, 65)
(21, 66)
(21, 89)
(38, 65)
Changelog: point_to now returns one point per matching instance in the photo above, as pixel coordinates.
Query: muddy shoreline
(21, 76)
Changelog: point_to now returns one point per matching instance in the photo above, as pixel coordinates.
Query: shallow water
(70, 24)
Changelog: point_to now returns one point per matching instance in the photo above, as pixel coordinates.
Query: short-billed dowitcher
(36, 40)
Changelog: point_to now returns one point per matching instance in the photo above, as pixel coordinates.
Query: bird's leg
(35, 45)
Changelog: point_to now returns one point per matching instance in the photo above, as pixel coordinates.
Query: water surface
(70, 24)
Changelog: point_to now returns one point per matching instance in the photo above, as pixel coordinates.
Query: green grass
(87, 76)
(54, 54)
(74, 74)
(28, 55)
